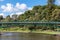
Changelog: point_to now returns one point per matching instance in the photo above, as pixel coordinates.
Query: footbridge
(29, 23)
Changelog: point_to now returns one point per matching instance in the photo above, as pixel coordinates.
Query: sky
(10, 7)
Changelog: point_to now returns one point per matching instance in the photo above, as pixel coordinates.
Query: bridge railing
(30, 23)
(46, 24)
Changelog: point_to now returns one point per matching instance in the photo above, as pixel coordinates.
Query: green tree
(51, 2)
(37, 8)
(30, 14)
(8, 19)
(21, 17)
(56, 15)
(1, 17)
(14, 17)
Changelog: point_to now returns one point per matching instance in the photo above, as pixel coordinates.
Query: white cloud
(19, 13)
(1, 0)
(10, 8)
(3, 7)
(2, 14)
(11, 14)
(15, 9)
(21, 6)
(29, 8)
(7, 8)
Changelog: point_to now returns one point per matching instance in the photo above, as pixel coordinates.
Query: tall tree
(1, 17)
(56, 15)
(51, 3)
(14, 17)
(8, 19)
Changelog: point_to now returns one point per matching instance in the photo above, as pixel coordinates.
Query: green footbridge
(8, 24)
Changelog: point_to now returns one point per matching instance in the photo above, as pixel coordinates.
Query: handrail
(33, 22)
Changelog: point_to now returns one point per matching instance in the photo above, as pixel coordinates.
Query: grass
(44, 32)
(48, 32)
(17, 29)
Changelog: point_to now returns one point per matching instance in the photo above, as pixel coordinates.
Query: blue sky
(10, 7)
(28, 2)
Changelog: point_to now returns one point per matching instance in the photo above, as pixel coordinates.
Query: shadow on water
(28, 36)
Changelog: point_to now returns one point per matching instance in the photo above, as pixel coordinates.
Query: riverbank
(17, 29)
(42, 32)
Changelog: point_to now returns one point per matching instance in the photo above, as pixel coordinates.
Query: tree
(50, 4)
(21, 17)
(37, 8)
(14, 17)
(8, 19)
(1, 17)
(30, 14)
(56, 15)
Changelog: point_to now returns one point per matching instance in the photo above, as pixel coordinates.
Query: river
(27, 36)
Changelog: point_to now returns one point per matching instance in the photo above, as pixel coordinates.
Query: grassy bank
(17, 29)
(27, 31)
(44, 32)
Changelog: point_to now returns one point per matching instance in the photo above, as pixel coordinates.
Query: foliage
(49, 12)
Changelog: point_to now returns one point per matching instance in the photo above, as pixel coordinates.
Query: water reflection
(28, 36)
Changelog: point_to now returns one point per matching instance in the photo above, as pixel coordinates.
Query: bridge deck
(30, 22)
(3, 24)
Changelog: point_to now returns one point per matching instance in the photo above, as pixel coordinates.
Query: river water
(27, 36)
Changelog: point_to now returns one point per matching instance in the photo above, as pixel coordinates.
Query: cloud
(7, 8)
(15, 9)
(21, 6)
(1, 0)
(11, 14)
(19, 13)
(2, 14)
(11, 8)
(30, 8)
